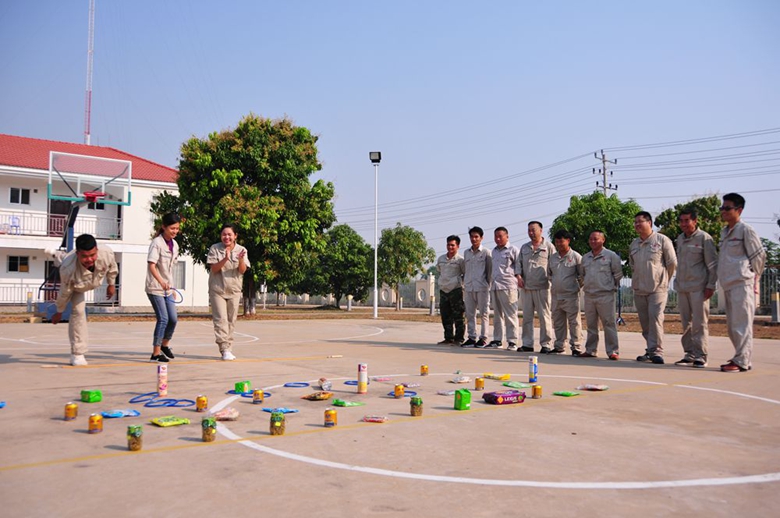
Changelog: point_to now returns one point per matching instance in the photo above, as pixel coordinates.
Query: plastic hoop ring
(150, 396)
(244, 394)
(407, 393)
(252, 394)
(354, 383)
(156, 403)
(296, 384)
(175, 295)
(182, 403)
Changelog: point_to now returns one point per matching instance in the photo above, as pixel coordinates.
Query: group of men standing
(547, 279)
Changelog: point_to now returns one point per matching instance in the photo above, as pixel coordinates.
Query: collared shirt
(479, 268)
(653, 262)
(506, 264)
(228, 281)
(697, 262)
(533, 264)
(74, 278)
(565, 274)
(601, 273)
(451, 272)
(160, 254)
(742, 256)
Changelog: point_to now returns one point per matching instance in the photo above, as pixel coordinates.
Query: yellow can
(398, 393)
(479, 384)
(331, 418)
(201, 403)
(423, 370)
(95, 423)
(257, 396)
(536, 390)
(71, 411)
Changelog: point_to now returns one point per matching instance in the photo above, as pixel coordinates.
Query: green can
(209, 429)
(135, 434)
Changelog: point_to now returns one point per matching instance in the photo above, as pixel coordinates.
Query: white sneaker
(228, 356)
(77, 359)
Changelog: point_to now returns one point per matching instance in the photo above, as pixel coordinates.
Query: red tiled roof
(33, 153)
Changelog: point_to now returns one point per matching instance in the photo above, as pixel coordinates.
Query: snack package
(590, 386)
(375, 418)
(565, 393)
(381, 378)
(515, 384)
(506, 397)
(91, 396)
(461, 379)
(446, 392)
(341, 402)
(169, 420)
(318, 396)
(499, 377)
(226, 414)
(280, 409)
(127, 412)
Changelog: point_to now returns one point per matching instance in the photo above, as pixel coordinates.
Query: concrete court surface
(662, 441)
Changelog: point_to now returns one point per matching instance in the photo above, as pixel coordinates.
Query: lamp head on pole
(375, 156)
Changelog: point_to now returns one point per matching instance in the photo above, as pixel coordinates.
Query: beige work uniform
(601, 274)
(503, 291)
(653, 262)
(225, 288)
(565, 281)
(697, 264)
(740, 265)
(165, 260)
(536, 292)
(476, 284)
(75, 280)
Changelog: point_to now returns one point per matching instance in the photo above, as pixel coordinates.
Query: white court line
(610, 485)
(738, 394)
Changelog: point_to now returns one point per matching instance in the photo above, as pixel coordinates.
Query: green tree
(772, 252)
(255, 176)
(344, 267)
(598, 212)
(708, 214)
(402, 253)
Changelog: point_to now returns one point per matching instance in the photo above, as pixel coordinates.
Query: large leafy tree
(708, 217)
(402, 253)
(344, 267)
(598, 212)
(256, 176)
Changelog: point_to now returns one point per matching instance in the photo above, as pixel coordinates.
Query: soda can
(533, 368)
(135, 437)
(362, 381)
(399, 391)
(201, 403)
(257, 396)
(536, 391)
(331, 418)
(423, 370)
(479, 384)
(95, 423)
(71, 411)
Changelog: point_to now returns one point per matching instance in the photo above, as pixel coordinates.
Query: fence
(53, 225)
(17, 294)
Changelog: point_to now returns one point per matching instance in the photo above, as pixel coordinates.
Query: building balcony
(35, 223)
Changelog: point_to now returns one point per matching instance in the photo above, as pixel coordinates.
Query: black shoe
(495, 344)
(700, 364)
(557, 351)
(159, 358)
(577, 353)
(545, 350)
(526, 349)
(469, 342)
(658, 360)
(457, 341)
(446, 341)
(480, 343)
(167, 351)
(643, 358)
(685, 362)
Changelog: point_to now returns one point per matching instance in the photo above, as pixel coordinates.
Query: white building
(30, 223)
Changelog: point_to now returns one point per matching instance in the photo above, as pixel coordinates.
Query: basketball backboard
(76, 178)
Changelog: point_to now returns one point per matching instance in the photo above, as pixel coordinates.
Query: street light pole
(376, 157)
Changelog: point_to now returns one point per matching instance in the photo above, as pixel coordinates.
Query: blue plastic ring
(137, 399)
(244, 394)
(296, 384)
(252, 394)
(354, 382)
(161, 402)
(407, 393)
(183, 403)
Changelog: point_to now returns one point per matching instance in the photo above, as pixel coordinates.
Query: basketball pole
(90, 53)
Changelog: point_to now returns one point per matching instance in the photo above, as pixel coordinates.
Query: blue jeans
(165, 311)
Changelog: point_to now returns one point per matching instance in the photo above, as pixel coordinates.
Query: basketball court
(663, 440)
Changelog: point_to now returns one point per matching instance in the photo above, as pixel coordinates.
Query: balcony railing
(29, 223)
(17, 294)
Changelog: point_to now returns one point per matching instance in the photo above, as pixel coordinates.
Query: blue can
(533, 368)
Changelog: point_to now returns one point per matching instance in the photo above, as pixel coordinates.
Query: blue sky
(469, 102)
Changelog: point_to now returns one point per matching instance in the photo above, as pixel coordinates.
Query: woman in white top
(227, 262)
(163, 254)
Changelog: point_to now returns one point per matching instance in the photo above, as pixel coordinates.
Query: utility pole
(88, 95)
(603, 172)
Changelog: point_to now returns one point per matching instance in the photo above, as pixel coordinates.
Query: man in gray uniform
(697, 262)
(476, 282)
(451, 269)
(601, 273)
(653, 261)
(740, 265)
(535, 288)
(83, 270)
(503, 289)
(566, 280)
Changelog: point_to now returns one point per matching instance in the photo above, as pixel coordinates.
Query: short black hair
(599, 231)
(537, 222)
(646, 215)
(690, 211)
(736, 199)
(476, 230)
(453, 238)
(563, 234)
(231, 226)
(501, 229)
(85, 242)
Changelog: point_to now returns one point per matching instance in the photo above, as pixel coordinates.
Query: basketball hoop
(93, 196)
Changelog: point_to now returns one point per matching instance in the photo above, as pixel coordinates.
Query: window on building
(180, 275)
(18, 263)
(20, 196)
(96, 205)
